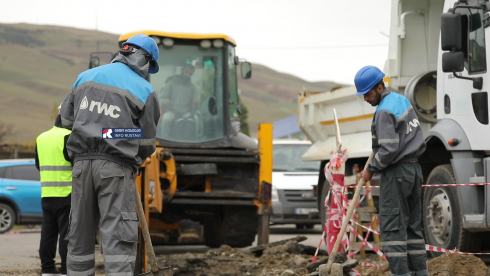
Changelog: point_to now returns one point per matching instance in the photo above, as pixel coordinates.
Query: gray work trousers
(400, 219)
(102, 190)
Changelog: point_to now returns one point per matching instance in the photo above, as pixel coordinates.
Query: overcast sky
(317, 40)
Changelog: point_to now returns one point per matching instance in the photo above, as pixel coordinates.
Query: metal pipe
(401, 29)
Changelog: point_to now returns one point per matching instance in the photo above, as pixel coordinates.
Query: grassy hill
(38, 65)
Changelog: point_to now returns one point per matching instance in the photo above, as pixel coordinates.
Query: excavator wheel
(235, 226)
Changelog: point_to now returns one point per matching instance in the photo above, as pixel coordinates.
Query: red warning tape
(438, 249)
(365, 227)
(371, 265)
(353, 272)
(439, 185)
(17, 232)
(376, 250)
(319, 245)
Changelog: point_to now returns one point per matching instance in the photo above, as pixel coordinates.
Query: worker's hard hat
(149, 45)
(367, 78)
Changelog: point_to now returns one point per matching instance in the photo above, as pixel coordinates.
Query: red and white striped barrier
(370, 265)
(350, 255)
(438, 249)
(376, 250)
(319, 245)
(365, 227)
(439, 185)
(353, 272)
(17, 232)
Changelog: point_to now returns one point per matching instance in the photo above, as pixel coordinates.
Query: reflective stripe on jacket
(54, 169)
(396, 132)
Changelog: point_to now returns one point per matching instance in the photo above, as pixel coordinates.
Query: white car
(292, 181)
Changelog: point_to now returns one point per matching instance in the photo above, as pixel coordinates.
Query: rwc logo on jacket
(101, 107)
(122, 133)
(413, 123)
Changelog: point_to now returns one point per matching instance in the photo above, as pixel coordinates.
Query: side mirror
(94, 62)
(454, 32)
(453, 62)
(451, 32)
(246, 69)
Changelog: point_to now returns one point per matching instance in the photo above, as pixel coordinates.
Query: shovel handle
(145, 232)
(347, 217)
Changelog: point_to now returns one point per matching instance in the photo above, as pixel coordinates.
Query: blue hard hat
(149, 45)
(367, 78)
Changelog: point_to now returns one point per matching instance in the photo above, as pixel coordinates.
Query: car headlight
(275, 195)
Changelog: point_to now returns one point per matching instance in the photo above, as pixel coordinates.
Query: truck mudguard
(447, 129)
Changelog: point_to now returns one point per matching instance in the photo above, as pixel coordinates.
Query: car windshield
(287, 157)
(190, 92)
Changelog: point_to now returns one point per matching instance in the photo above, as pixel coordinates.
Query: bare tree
(5, 130)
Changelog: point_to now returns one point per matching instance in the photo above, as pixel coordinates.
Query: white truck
(437, 59)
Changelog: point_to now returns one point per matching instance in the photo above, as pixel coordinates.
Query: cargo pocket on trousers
(77, 170)
(128, 227)
(389, 219)
(111, 179)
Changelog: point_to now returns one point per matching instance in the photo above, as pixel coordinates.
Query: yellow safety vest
(55, 170)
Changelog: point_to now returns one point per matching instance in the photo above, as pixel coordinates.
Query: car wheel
(7, 218)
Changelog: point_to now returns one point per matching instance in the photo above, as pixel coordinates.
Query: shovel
(347, 217)
(155, 270)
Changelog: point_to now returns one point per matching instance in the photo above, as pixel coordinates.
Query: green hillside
(38, 65)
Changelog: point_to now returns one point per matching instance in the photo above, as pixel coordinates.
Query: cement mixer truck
(437, 59)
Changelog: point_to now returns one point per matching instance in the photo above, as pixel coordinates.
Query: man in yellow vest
(55, 168)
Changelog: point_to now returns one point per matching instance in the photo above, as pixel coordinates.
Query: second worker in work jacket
(55, 169)
(396, 132)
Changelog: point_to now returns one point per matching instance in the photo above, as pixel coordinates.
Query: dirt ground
(293, 259)
(286, 258)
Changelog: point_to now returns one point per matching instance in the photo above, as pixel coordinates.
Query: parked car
(20, 193)
(292, 184)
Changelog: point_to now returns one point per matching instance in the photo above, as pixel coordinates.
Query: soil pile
(284, 260)
(444, 265)
(457, 265)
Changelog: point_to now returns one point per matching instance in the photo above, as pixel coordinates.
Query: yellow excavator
(207, 182)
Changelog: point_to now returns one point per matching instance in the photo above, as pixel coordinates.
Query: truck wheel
(442, 214)
(7, 218)
(235, 226)
(322, 208)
